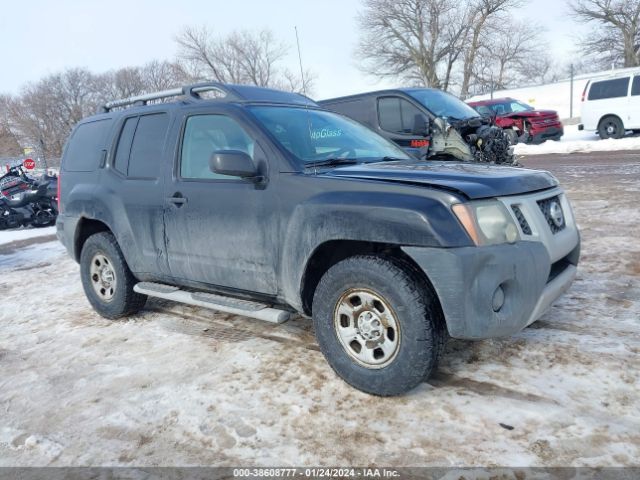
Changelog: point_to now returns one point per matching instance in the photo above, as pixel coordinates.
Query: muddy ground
(177, 385)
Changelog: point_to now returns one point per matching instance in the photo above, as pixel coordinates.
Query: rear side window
(141, 145)
(121, 159)
(609, 89)
(145, 158)
(87, 146)
(397, 115)
(635, 87)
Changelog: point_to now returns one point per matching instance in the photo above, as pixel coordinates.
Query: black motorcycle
(27, 201)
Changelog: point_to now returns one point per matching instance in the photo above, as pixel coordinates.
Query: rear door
(220, 230)
(135, 190)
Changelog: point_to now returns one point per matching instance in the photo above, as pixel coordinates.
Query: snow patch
(8, 236)
(575, 141)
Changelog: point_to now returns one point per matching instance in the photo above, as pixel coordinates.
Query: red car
(521, 122)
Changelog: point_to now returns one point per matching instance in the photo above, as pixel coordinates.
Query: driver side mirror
(233, 162)
(420, 125)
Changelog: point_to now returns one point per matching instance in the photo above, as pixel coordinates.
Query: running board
(216, 302)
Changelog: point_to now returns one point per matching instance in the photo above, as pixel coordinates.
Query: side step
(216, 302)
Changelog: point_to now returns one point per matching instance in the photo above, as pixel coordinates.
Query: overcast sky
(38, 37)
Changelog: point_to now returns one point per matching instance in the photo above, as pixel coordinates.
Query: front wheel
(107, 281)
(611, 127)
(512, 136)
(378, 325)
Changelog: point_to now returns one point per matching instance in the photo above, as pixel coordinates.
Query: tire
(610, 127)
(407, 311)
(511, 135)
(45, 224)
(101, 260)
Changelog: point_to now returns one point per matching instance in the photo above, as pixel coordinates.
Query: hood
(474, 180)
(534, 114)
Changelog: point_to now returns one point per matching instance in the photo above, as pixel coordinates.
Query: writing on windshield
(313, 135)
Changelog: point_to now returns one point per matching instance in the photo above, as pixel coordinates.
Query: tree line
(465, 47)
(42, 115)
(473, 46)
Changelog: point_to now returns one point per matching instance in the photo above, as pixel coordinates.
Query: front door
(397, 118)
(219, 228)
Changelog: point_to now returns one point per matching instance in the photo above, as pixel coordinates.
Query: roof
(491, 101)
(227, 93)
(391, 91)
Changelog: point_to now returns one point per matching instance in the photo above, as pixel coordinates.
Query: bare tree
(241, 57)
(9, 146)
(616, 40)
(417, 40)
(162, 75)
(9, 142)
(482, 12)
(46, 111)
(510, 53)
(131, 81)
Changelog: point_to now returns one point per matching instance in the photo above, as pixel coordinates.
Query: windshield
(443, 104)
(316, 135)
(503, 108)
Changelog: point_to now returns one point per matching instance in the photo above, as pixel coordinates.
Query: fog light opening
(498, 299)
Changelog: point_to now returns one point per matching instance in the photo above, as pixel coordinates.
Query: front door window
(205, 134)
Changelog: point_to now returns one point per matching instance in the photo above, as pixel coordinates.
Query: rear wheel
(378, 325)
(611, 127)
(107, 281)
(44, 218)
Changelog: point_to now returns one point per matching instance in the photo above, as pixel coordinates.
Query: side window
(85, 149)
(609, 89)
(389, 114)
(123, 150)
(635, 87)
(147, 147)
(205, 134)
(397, 114)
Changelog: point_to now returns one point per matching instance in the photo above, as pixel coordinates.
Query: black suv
(260, 203)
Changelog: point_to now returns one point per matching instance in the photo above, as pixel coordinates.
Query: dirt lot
(182, 385)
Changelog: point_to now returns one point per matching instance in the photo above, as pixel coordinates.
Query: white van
(611, 106)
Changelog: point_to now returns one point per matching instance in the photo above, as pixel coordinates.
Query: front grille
(555, 220)
(524, 225)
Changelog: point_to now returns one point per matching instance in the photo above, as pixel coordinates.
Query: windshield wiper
(330, 162)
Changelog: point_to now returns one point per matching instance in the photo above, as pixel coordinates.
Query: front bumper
(540, 134)
(466, 279)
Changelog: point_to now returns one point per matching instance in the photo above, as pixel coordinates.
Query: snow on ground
(178, 385)
(575, 140)
(16, 234)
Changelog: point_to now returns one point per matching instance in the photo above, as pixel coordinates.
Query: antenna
(304, 87)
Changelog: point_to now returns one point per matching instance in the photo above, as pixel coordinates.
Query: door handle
(177, 199)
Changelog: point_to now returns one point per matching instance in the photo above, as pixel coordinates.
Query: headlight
(487, 222)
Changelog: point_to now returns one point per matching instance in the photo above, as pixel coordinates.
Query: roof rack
(192, 92)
